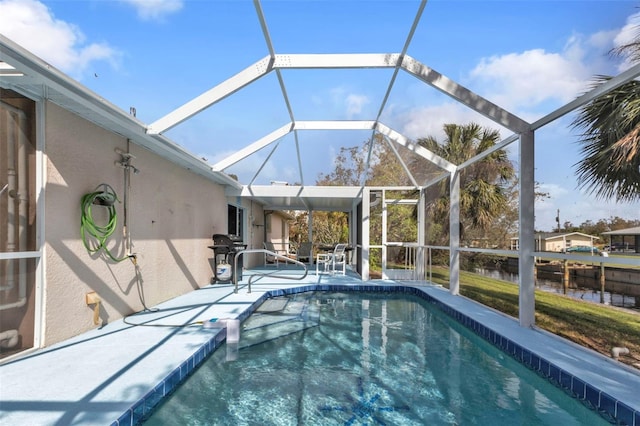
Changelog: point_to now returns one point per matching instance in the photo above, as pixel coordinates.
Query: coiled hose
(94, 236)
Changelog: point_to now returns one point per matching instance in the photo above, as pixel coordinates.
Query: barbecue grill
(225, 248)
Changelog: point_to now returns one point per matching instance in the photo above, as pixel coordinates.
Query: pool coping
(577, 382)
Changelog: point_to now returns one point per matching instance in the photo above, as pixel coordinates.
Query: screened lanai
(263, 82)
(303, 195)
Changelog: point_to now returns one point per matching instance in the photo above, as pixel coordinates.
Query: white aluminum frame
(25, 73)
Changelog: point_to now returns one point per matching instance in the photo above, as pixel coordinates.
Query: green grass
(598, 327)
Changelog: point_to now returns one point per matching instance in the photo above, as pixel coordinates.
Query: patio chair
(270, 259)
(329, 261)
(303, 254)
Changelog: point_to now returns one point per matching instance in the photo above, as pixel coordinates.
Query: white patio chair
(329, 261)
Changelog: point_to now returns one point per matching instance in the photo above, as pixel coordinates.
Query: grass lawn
(598, 327)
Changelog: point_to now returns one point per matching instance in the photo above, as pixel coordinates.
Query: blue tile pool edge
(611, 409)
(145, 405)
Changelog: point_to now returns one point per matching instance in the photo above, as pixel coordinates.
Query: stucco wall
(571, 240)
(172, 214)
(278, 231)
(254, 232)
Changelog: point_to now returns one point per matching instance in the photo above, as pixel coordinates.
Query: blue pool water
(364, 359)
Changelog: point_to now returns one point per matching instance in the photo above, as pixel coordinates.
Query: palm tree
(483, 185)
(610, 139)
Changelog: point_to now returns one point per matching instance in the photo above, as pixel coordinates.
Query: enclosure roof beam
(420, 150)
(464, 95)
(600, 90)
(210, 97)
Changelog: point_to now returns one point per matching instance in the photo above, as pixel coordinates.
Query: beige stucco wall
(278, 231)
(172, 214)
(571, 240)
(554, 245)
(579, 240)
(254, 231)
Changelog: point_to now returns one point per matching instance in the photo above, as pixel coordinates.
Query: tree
(349, 168)
(484, 185)
(603, 225)
(610, 139)
(299, 227)
(330, 227)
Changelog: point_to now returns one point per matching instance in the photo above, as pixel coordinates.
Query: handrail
(260, 274)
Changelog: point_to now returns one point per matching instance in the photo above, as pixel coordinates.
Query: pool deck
(96, 377)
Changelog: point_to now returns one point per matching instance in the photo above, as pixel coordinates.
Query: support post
(602, 282)
(454, 233)
(366, 222)
(526, 267)
(565, 276)
(420, 251)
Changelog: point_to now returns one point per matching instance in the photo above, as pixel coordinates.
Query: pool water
(323, 358)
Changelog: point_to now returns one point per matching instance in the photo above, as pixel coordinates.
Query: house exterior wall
(554, 245)
(278, 231)
(170, 225)
(571, 240)
(253, 230)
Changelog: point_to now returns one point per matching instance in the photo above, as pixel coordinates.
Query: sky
(529, 57)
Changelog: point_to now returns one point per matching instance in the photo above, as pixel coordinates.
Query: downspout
(23, 204)
(11, 210)
(17, 181)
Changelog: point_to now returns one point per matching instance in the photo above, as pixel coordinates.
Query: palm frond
(609, 167)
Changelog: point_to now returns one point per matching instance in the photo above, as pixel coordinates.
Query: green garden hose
(94, 236)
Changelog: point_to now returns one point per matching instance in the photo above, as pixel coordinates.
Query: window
(235, 221)
(284, 227)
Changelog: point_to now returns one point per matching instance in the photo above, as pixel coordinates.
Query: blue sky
(529, 57)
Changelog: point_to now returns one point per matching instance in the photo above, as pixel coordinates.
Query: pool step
(278, 319)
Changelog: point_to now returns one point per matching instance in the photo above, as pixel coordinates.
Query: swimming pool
(364, 358)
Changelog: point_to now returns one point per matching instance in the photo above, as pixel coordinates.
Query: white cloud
(628, 32)
(349, 104)
(525, 81)
(522, 80)
(60, 43)
(554, 191)
(354, 104)
(429, 120)
(149, 10)
(528, 83)
(626, 35)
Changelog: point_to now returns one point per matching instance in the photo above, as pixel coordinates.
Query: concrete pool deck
(99, 375)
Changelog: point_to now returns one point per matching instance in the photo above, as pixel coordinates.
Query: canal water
(574, 290)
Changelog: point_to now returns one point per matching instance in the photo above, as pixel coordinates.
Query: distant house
(558, 242)
(624, 239)
(277, 229)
